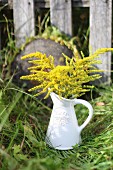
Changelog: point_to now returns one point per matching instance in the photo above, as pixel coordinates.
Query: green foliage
(67, 81)
(8, 54)
(22, 136)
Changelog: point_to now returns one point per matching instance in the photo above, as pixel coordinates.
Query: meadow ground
(23, 124)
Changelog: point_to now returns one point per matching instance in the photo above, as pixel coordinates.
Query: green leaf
(6, 110)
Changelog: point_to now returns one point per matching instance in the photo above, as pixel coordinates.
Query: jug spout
(60, 101)
(54, 97)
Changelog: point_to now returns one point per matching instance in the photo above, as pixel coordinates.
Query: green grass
(23, 124)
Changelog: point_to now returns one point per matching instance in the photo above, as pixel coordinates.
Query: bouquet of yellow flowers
(67, 81)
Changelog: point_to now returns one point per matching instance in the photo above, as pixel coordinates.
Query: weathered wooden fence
(61, 17)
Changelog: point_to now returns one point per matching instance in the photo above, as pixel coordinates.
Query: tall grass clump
(23, 124)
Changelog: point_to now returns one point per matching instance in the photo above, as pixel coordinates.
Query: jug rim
(62, 98)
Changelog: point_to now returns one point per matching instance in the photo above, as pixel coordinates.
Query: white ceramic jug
(63, 131)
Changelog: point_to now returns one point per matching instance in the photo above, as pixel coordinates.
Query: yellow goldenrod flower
(67, 81)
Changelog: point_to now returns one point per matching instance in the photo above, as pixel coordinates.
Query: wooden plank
(46, 3)
(42, 3)
(24, 25)
(80, 3)
(10, 4)
(100, 32)
(61, 15)
(75, 3)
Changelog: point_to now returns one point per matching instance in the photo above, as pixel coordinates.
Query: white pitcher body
(63, 131)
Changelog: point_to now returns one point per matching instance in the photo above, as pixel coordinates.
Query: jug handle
(88, 105)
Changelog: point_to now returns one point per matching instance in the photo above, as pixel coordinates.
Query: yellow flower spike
(48, 93)
(35, 88)
(31, 55)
